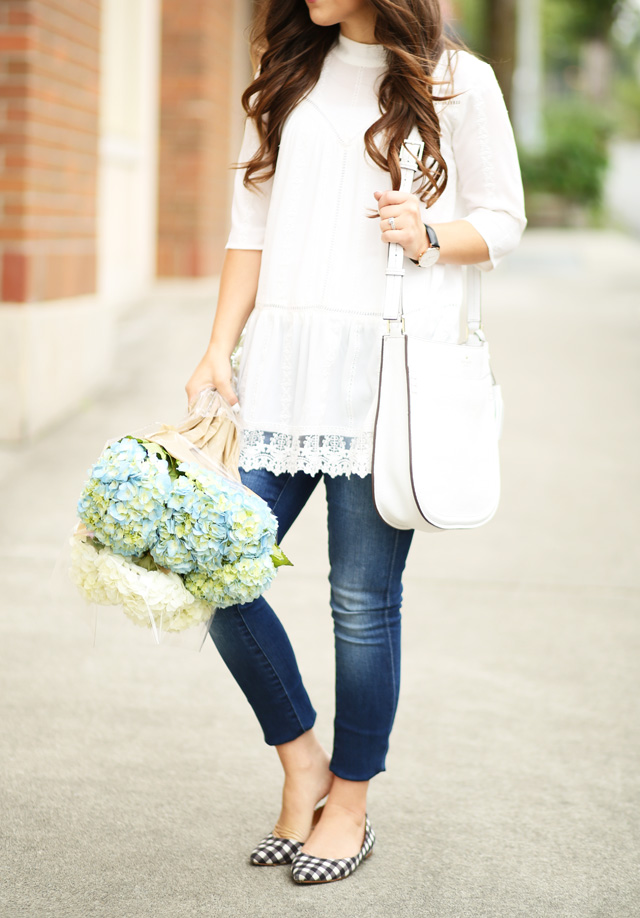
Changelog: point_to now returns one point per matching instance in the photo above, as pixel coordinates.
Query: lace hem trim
(331, 454)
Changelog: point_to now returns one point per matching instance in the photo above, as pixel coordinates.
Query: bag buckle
(476, 333)
(408, 150)
(395, 322)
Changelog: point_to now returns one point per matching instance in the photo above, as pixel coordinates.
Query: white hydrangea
(109, 579)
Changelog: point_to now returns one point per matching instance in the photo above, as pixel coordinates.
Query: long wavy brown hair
(288, 51)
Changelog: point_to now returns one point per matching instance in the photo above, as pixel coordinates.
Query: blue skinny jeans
(367, 558)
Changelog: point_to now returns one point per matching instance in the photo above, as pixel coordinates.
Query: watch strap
(433, 242)
(433, 239)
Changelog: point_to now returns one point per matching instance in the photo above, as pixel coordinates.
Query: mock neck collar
(359, 53)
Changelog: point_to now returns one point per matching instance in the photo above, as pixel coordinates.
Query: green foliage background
(573, 162)
(566, 24)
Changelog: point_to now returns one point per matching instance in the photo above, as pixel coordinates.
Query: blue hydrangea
(212, 531)
(216, 520)
(252, 528)
(124, 499)
(232, 583)
(170, 550)
(196, 517)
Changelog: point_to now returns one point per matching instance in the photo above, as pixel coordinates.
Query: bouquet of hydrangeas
(168, 538)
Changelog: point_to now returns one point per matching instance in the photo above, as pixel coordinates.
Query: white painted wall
(241, 73)
(622, 189)
(528, 76)
(53, 356)
(127, 177)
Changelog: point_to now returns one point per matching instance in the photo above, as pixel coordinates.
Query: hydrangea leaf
(279, 558)
(146, 562)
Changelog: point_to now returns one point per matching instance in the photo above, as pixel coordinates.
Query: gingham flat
(308, 869)
(273, 851)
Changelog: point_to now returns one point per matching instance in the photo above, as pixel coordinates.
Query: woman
(340, 84)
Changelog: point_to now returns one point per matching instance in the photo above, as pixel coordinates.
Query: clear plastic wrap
(166, 531)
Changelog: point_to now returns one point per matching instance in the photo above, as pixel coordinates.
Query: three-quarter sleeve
(484, 148)
(250, 206)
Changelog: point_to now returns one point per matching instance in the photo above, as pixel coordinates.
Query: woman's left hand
(409, 229)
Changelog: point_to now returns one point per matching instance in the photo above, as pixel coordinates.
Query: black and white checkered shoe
(273, 851)
(309, 869)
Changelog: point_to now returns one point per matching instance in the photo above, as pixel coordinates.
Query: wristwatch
(432, 253)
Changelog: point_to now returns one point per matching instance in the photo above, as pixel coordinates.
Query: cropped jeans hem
(367, 559)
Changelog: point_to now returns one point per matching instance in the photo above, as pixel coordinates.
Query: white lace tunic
(309, 367)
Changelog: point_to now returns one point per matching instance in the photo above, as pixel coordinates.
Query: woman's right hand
(213, 372)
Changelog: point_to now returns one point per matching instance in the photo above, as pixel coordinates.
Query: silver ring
(392, 223)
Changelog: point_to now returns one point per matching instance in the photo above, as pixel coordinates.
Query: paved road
(134, 779)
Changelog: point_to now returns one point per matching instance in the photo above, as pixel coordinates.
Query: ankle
(303, 756)
(301, 766)
(353, 813)
(349, 798)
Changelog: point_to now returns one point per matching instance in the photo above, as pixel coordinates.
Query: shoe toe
(308, 869)
(273, 851)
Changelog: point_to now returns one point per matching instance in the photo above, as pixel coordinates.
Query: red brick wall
(194, 157)
(49, 76)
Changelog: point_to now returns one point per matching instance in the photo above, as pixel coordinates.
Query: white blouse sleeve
(484, 149)
(249, 206)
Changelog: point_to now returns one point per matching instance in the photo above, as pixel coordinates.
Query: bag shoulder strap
(412, 150)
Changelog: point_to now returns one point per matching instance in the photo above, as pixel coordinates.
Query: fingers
(392, 222)
(223, 386)
(386, 198)
(399, 236)
(229, 396)
(392, 210)
(398, 229)
(400, 218)
(227, 393)
(192, 395)
(395, 217)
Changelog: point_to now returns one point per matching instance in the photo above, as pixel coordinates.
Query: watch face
(430, 257)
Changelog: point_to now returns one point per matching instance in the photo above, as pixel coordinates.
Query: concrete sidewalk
(135, 780)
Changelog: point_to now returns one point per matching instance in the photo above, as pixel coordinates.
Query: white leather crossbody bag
(439, 416)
